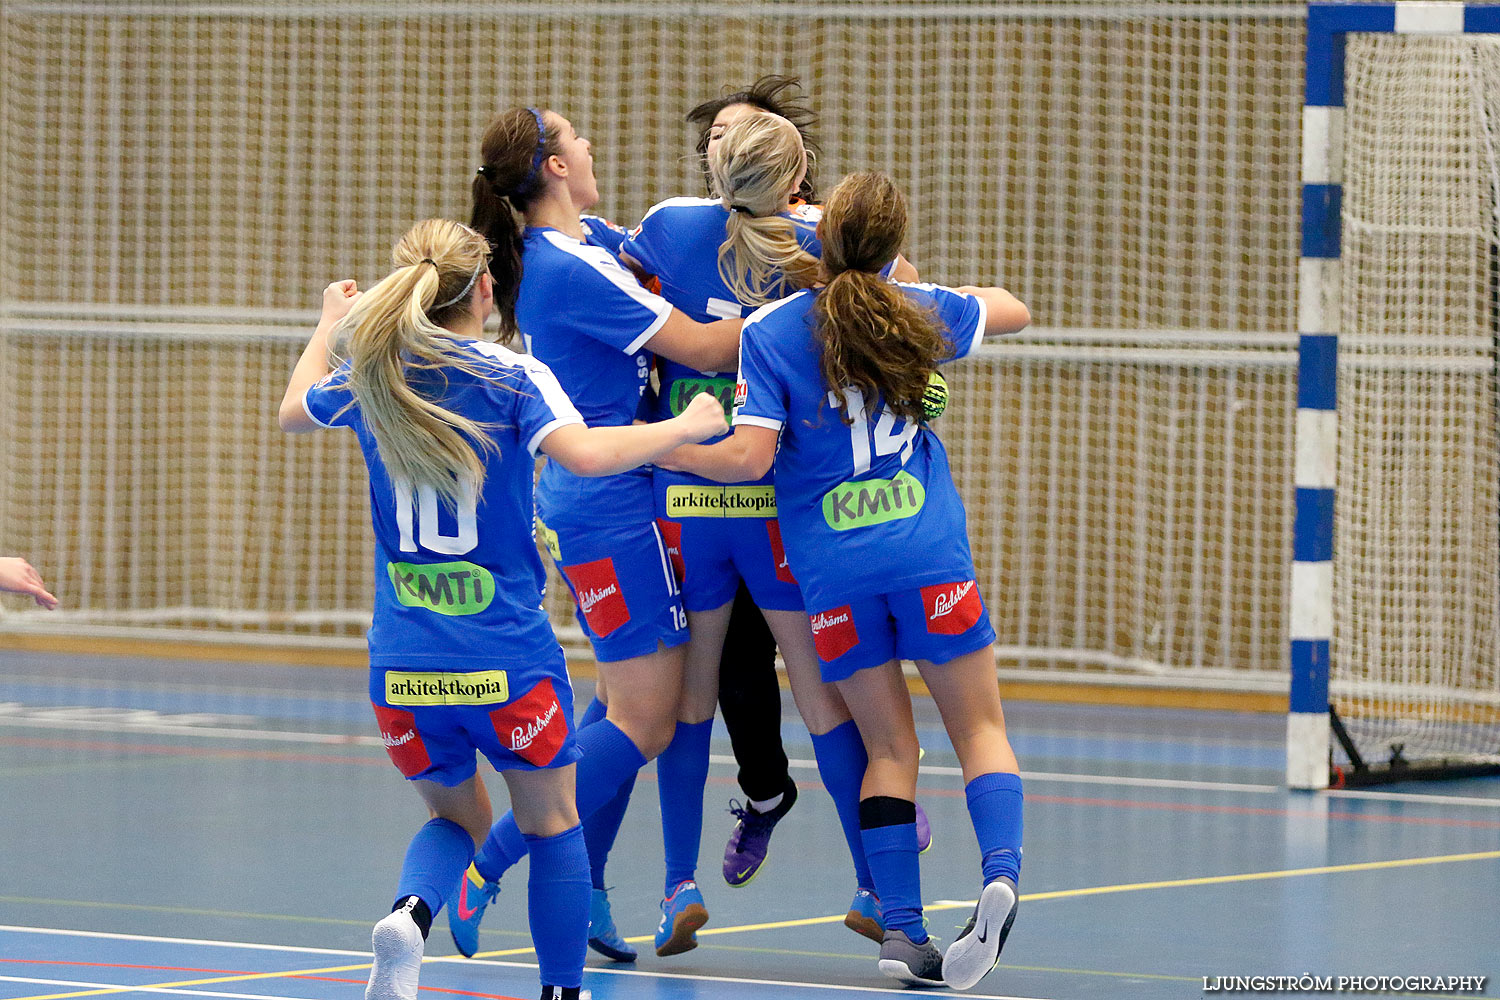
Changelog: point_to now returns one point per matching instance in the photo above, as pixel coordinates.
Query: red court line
(373, 761)
(237, 972)
(1078, 800)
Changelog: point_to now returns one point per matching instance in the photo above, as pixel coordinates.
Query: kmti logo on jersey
(450, 588)
(434, 687)
(952, 608)
(597, 590)
(671, 535)
(721, 501)
(533, 727)
(834, 633)
(873, 501)
(741, 392)
(398, 731)
(778, 553)
(684, 389)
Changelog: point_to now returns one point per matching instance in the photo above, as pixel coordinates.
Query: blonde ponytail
(394, 330)
(755, 165)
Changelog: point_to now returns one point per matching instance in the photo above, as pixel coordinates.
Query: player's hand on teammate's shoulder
(703, 417)
(338, 298)
(18, 577)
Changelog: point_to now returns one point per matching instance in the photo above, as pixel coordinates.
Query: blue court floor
(234, 830)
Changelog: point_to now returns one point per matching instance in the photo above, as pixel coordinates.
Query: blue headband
(534, 174)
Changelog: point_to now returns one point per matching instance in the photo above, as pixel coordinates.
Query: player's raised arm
(338, 298)
(1004, 313)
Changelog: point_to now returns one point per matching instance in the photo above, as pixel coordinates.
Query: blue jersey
(678, 241)
(460, 587)
(865, 509)
(602, 232)
(586, 317)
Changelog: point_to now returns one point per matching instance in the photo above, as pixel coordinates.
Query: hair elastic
(428, 260)
(472, 278)
(741, 208)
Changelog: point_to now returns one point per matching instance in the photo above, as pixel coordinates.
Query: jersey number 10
(425, 501)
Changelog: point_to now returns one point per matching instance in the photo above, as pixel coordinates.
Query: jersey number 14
(884, 440)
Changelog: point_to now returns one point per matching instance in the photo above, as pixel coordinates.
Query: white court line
(445, 959)
(1446, 800)
(335, 739)
(128, 988)
(723, 979)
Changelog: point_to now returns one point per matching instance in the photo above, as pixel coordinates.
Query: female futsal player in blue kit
(462, 658)
(830, 387)
(723, 256)
(588, 318)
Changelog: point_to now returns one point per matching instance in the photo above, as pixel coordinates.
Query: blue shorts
(625, 594)
(432, 721)
(937, 623)
(715, 549)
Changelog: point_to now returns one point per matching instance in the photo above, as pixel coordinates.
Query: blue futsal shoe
(682, 913)
(603, 937)
(864, 916)
(474, 894)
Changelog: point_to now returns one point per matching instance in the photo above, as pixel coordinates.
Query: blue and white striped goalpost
(1318, 319)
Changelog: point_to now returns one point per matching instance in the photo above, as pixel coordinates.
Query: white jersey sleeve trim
(614, 272)
(650, 331)
(771, 307)
(547, 428)
(308, 410)
(684, 202)
(978, 337)
(748, 420)
(551, 389)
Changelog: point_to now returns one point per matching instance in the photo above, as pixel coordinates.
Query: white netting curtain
(177, 182)
(1417, 544)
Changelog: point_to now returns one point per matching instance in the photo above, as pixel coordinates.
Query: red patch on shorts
(596, 588)
(778, 553)
(671, 534)
(398, 731)
(952, 608)
(834, 633)
(533, 727)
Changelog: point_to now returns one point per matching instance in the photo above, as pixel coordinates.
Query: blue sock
(609, 760)
(601, 829)
(841, 763)
(435, 861)
(557, 898)
(681, 773)
(995, 802)
(501, 849)
(891, 848)
(594, 713)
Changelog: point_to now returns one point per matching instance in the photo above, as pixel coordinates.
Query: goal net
(1415, 670)
(179, 180)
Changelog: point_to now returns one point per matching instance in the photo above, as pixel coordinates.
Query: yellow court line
(242, 978)
(810, 921)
